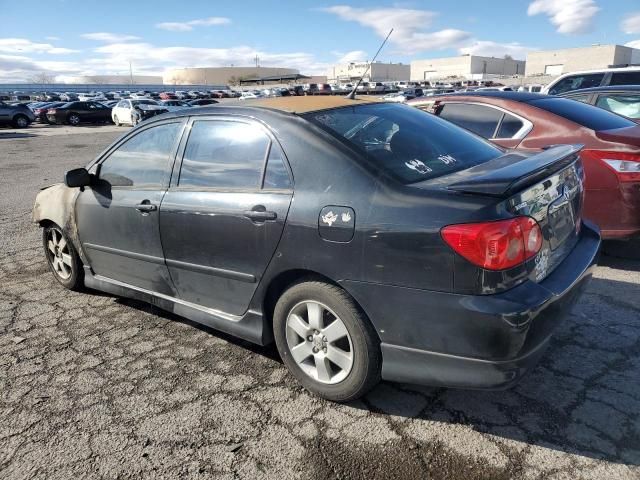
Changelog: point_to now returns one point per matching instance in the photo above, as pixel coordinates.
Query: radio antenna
(352, 95)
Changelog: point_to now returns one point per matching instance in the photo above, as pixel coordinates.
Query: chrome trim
(207, 310)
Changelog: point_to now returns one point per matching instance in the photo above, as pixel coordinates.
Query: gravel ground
(93, 386)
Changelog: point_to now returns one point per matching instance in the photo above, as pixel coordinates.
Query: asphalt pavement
(93, 386)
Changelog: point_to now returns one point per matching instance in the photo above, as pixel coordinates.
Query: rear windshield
(586, 115)
(404, 142)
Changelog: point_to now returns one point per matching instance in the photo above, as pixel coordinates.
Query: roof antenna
(352, 95)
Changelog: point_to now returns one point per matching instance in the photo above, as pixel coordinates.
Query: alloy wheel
(319, 342)
(22, 122)
(74, 120)
(58, 254)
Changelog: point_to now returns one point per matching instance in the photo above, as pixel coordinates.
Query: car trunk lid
(547, 186)
(628, 137)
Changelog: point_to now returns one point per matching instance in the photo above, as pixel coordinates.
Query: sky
(65, 38)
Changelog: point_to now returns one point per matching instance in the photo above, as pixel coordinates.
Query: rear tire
(116, 121)
(20, 121)
(62, 258)
(73, 119)
(340, 332)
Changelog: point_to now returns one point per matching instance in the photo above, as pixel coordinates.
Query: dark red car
(168, 96)
(611, 154)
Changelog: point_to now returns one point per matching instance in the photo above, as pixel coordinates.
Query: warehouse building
(379, 72)
(465, 67)
(557, 62)
(222, 75)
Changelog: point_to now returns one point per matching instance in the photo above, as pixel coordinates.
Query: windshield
(405, 142)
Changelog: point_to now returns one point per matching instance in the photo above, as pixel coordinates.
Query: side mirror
(78, 177)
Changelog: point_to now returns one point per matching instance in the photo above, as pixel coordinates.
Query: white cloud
(634, 44)
(109, 37)
(569, 16)
(488, 48)
(352, 56)
(631, 24)
(22, 45)
(188, 26)
(409, 27)
(52, 39)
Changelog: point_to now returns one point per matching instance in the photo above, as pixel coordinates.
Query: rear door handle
(260, 215)
(146, 207)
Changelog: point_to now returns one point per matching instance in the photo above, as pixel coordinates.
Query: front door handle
(260, 214)
(146, 207)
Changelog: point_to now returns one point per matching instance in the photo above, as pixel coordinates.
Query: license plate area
(562, 221)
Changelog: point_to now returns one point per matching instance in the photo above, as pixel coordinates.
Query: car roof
(608, 88)
(515, 96)
(310, 103)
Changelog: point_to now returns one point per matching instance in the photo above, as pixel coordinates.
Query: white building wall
(557, 62)
(465, 66)
(379, 72)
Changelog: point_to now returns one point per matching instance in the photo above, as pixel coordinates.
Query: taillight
(625, 165)
(51, 111)
(495, 245)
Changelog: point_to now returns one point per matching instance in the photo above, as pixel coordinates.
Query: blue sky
(89, 37)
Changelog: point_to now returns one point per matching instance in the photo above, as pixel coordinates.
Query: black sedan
(621, 99)
(75, 113)
(369, 240)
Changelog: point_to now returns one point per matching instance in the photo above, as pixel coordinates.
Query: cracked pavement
(92, 386)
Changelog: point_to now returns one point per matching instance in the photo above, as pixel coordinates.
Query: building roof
(309, 103)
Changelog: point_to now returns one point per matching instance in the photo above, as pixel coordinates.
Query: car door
(223, 215)
(118, 215)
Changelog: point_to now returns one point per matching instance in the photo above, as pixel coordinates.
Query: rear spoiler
(512, 173)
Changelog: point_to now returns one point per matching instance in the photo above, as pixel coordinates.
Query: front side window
(576, 82)
(477, 118)
(405, 142)
(627, 105)
(224, 154)
(142, 161)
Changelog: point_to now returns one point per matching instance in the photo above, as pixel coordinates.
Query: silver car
(18, 116)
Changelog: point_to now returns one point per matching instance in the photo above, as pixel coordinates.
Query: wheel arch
(286, 279)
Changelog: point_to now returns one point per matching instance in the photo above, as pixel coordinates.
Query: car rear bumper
(474, 341)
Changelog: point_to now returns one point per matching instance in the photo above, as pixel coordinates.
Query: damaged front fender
(56, 204)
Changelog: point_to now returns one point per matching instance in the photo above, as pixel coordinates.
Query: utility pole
(130, 73)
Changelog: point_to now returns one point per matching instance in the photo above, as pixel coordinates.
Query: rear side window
(576, 82)
(509, 127)
(142, 161)
(223, 154)
(276, 174)
(583, 114)
(625, 78)
(584, 98)
(477, 118)
(627, 105)
(405, 142)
